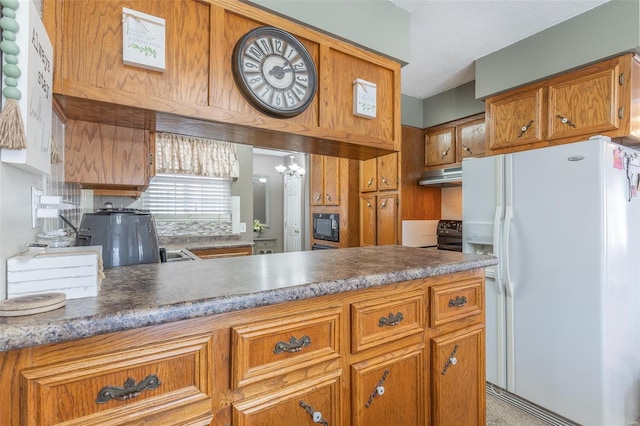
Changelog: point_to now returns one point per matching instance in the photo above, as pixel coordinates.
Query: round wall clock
(274, 72)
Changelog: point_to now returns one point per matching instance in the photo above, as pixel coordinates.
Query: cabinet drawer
(296, 405)
(110, 389)
(453, 302)
(277, 347)
(378, 321)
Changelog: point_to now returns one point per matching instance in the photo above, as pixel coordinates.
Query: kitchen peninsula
(317, 336)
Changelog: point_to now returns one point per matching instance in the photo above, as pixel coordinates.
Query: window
(194, 198)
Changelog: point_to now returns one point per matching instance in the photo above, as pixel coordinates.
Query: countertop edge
(17, 337)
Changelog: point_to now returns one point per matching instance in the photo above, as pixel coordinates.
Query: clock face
(274, 72)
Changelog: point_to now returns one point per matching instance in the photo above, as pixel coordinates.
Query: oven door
(450, 243)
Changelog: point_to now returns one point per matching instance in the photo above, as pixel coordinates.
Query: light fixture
(292, 169)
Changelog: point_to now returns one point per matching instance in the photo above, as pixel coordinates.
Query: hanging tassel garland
(12, 134)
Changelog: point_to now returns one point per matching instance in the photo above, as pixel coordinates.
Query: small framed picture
(364, 98)
(143, 40)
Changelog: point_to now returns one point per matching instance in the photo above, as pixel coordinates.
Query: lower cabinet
(389, 389)
(409, 353)
(457, 372)
(215, 253)
(312, 402)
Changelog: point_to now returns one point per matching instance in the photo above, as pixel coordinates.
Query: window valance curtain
(189, 155)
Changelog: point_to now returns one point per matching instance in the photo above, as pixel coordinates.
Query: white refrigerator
(563, 304)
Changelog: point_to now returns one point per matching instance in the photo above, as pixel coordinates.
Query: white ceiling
(447, 36)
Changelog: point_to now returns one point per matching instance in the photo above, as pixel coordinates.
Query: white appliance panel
(563, 303)
(556, 274)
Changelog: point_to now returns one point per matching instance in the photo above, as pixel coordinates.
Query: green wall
(607, 30)
(356, 21)
(447, 106)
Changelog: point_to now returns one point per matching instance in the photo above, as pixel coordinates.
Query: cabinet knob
(467, 149)
(318, 197)
(451, 361)
(444, 153)
(328, 197)
(565, 120)
(316, 416)
(384, 180)
(378, 390)
(383, 205)
(370, 181)
(524, 129)
(369, 204)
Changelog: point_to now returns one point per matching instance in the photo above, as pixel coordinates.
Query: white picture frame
(143, 40)
(364, 98)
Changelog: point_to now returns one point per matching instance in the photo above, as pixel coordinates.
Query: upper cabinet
(447, 144)
(325, 180)
(197, 95)
(111, 160)
(594, 100)
(379, 174)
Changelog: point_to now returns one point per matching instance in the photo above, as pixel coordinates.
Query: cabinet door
(387, 219)
(516, 119)
(368, 175)
(457, 379)
(585, 102)
(316, 179)
(368, 220)
(104, 155)
(387, 172)
(309, 404)
(331, 181)
(440, 148)
(389, 390)
(470, 139)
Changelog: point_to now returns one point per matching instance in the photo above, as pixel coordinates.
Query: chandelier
(292, 169)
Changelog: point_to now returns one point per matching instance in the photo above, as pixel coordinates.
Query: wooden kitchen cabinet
(389, 389)
(594, 100)
(167, 382)
(253, 367)
(196, 94)
(334, 190)
(109, 159)
(379, 174)
(325, 180)
(457, 374)
(216, 253)
(379, 219)
(447, 144)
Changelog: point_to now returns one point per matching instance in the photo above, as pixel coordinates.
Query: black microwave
(326, 227)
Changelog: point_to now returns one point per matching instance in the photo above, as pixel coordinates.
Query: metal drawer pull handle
(318, 197)
(370, 181)
(565, 120)
(524, 129)
(130, 389)
(466, 148)
(384, 204)
(451, 361)
(391, 320)
(458, 302)
(316, 416)
(379, 389)
(293, 345)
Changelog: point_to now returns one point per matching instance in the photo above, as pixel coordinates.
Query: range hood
(451, 176)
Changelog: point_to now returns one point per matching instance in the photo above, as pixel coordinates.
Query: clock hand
(278, 71)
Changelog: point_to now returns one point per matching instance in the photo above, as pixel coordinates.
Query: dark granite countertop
(142, 295)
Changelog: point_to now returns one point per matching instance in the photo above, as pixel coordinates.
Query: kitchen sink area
(179, 256)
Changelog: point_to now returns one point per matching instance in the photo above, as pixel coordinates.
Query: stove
(450, 235)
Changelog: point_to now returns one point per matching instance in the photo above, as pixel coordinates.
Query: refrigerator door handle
(508, 216)
(497, 226)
